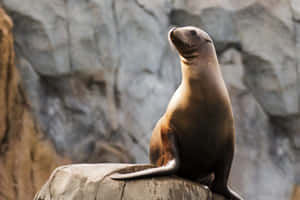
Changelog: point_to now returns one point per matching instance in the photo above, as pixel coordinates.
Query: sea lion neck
(197, 75)
(197, 62)
(196, 68)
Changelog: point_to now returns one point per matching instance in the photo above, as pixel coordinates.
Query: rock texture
(91, 181)
(27, 157)
(99, 74)
(296, 193)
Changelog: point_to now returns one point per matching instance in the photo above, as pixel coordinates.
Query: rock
(27, 157)
(92, 181)
(71, 58)
(262, 162)
(43, 20)
(261, 159)
(233, 70)
(271, 71)
(296, 9)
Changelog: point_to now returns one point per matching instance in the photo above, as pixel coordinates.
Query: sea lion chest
(201, 124)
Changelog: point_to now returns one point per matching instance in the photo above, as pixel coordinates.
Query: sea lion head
(190, 41)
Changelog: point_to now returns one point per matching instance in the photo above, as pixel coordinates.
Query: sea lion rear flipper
(170, 167)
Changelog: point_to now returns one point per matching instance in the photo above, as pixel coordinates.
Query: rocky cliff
(99, 73)
(27, 157)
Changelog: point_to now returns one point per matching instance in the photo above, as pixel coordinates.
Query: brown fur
(195, 136)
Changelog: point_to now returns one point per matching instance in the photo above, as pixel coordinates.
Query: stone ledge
(92, 182)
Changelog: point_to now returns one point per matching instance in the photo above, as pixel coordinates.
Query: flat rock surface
(92, 182)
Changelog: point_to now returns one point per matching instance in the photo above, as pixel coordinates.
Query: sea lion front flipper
(221, 171)
(170, 167)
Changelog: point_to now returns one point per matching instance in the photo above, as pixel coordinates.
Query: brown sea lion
(195, 136)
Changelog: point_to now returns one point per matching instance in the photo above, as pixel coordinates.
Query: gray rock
(270, 65)
(91, 27)
(233, 70)
(261, 159)
(296, 9)
(93, 182)
(47, 50)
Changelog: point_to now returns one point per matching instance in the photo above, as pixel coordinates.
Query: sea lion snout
(189, 34)
(174, 38)
(188, 40)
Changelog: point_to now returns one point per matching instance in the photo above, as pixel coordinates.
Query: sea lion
(195, 136)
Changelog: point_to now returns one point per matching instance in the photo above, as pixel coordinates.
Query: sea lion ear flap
(208, 40)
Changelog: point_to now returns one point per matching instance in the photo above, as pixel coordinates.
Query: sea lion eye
(193, 32)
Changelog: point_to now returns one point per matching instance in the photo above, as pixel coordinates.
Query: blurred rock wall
(27, 157)
(99, 74)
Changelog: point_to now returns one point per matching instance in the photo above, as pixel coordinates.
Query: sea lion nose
(172, 31)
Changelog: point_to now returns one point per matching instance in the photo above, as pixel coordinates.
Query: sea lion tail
(170, 168)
